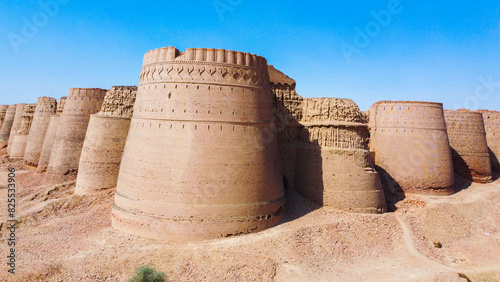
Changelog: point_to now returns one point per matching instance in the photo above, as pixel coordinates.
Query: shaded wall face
(410, 147)
(467, 135)
(7, 123)
(287, 106)
(45, 108)
(202, 130)
(73, 122)
(492, 127)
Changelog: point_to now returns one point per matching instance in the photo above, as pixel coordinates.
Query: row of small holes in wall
(196, 112)
(81, 110)
(81, 98)
(196, 127)
(416, 108)
(397, 130)
(220, 88)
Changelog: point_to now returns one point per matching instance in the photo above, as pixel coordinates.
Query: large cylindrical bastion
(105, 140)
(45, 108)
(68, 143)
(409, 145)
(7, 124)
(492, 127)
(50, 135)
(471, 158)
(201, 157)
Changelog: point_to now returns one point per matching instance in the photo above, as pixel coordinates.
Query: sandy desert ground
(63, 237)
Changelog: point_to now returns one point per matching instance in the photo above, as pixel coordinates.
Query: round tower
(50, 135)
(492, 127)
(7, 125)
(16, 124)
(3, 112)
(105, 140)
(21, 138)
(410, 148)
(73, 122)
(45, 108)
(471, 159)
(333, 165)
(201, 158)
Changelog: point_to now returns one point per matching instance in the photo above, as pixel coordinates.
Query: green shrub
(146, 273)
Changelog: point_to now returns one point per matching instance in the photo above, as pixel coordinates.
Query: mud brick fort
(210, 141)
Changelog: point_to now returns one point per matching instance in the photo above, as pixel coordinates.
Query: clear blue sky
(443, 51)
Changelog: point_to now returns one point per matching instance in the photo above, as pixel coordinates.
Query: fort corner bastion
(201, 158)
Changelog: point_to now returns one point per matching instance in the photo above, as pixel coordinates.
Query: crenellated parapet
(203, 66)
(83, 102)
